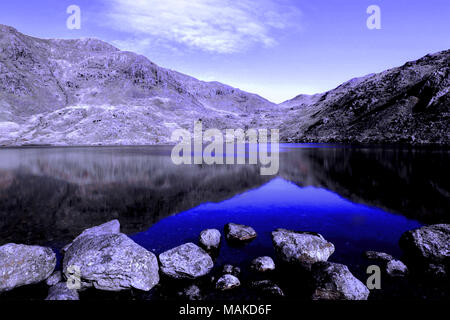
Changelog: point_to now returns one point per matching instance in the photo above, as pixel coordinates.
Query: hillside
(87, 92)
(72, 92)
(408, 104)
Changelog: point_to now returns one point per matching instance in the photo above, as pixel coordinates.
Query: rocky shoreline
(103, 262)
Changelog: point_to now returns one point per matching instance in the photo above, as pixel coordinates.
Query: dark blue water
(352, 228)
(359, 198)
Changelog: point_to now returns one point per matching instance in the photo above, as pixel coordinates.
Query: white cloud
(223, 26)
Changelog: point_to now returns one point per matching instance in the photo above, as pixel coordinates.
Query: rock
(396, 268)
(239, 233)
(210, 239)
(392, 266)
(430, 244)
(227, 282)
(263, 264)
(112, 226)
(55, 278)
(191, 293)
(268, 288)
(187, 261)
(334, 281)
(23, 265)
(436, 271)
(229, 269)
(304, 248)
(378, 256)
(111, 262)
(61, 292)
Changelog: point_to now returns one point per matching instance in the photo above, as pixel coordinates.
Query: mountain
(77, 92)
(408, 104)
(87, 92)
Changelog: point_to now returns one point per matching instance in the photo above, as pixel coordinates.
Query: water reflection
(414, 182)
(352, 228)
(49, 195)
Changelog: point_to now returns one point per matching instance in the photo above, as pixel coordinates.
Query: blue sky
(277, 49)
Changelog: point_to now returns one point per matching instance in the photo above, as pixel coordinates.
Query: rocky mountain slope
(409, 104)
(72, 92)
(87, 92)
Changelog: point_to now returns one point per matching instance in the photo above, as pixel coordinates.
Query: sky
(275, 48)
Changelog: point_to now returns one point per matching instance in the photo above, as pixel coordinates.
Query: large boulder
(429, 244)
(61, 291)
(111, 262)
(23, 265)
(239, 233)
(55, 278)
(427, 249)
(333, 281)
(112, 226)
(187, 261)
(210, 239)
(304, 248)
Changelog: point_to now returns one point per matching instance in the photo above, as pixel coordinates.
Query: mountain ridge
(88, 92)
(406, 104)
(62, 92)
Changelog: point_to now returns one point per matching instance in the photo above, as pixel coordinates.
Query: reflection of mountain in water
(55, 194)
(51, 195)
(411, 181)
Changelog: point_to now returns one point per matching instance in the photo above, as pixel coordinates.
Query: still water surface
(359, 198)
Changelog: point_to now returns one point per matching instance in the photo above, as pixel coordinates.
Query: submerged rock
(263, 264)
(305, 248)
(229, 269)
(187, 261)
(55, 278)
(334, 281)
(111, 262)
(227, 282)
(210, 239)
(239, 233)
(23, 265)
(61, 292)
(268, 288)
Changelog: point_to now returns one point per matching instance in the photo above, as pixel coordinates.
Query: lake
(358, 197)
